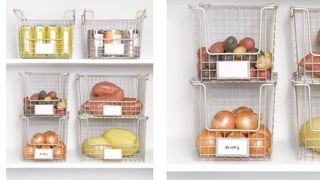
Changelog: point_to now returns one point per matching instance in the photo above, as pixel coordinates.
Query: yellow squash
(309, 137)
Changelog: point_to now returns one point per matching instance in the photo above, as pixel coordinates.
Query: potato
(94, 146)
(230, 44)
(253, 71)
(252, 57)
(216, 47)
(264, 75)
(42, 95)
(202, 54)
(264, 61)
(52, 94)
(35, 97)
(47, 99)
(62, 104)
(226, 58)
(239, 49)
(311, 62)
(248, 43)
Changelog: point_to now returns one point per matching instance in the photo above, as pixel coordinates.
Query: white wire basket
(306, 41)
(234, 140)
(112, 96)
(45, 38)
(113, 38)
(111, 140)
(45, 94)
(234, 42)
(44, 138)
(307, 106)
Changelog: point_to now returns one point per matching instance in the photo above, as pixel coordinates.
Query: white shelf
(14, 160)
(23, 62)
(181, 158)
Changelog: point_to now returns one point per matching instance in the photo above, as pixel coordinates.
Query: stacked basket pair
(306, 80)
(235, 84)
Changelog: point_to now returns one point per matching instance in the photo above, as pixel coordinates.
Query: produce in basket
(202, 54)
(230, 44)
(107, 89)
(236, 135)
(264, 61)
(94, 146)
(217, 47)
(248, 43)
(311, 63)
(309, 137)
(247, 120)
(259, 145)
(223, 120)
(264, 74)
(239, 49)
(206, 142)
(28, 151)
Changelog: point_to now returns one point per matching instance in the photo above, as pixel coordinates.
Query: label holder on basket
(112, 110)
(43, 154)
(44, 109)
(233, 69)
(230, 147)
(112, 154)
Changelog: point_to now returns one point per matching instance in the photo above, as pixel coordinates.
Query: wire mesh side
(213, 24)
(94, 150)
(45, 89)
(306, 34)
(212, 98)
(113, 38)
(129, 95)
(307, 98)
(36, 135)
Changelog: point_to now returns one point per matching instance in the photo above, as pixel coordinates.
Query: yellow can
(39, 36)
(53, 40)
(26, 42)
(66, 41)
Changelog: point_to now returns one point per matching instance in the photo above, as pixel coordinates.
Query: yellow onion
(206, 142)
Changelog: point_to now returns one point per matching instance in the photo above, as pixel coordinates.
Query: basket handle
(71, 12)
(141, 14)
(87, 15)
(20, 14)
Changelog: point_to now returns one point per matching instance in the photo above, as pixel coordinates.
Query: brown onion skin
(259, 146)
(264, 131)
(236, 135)
(38, 139)
(28, 151)
(223, 120)
(49, 132)
(206, 142)
(52, 139)
(241, 109)
(247, 120)
(58, 152)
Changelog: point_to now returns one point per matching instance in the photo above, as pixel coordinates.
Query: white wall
(181, 66)
(48, 9)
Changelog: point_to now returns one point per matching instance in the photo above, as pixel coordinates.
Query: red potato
(52, 94)
(216, 47)
(311, 62)
(59, 112)
(35, 97)
(253, 71)
(202, 52)
(248, 43)
(264, 74)
(201, 66)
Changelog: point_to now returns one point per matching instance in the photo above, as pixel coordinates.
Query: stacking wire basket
(216, 61)
(45, 138)
(113, 38)
(112, 124)
(45, 38)
(211, 98)
(306, 36)
(96, 145)
(45, 94)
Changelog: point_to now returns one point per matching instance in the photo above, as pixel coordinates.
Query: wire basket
(112, 96)
(45, 94)
(233, 139)
(234, 42)
(45, 38)
(113, 38)
(112, 139)
(306, 37)
(45, 138)
(307, 101)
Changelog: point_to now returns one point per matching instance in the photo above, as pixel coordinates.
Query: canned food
(39, 37)
(65, 45)
(132, 43)
(26, 42)
(113, 45)
(95, 43)
(53, 36)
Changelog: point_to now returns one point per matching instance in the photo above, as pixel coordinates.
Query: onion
(49, 132)
(62, 145)
(260, 146)
(45, 147)
(223, 120)
(52, 139)
(206, 142)
(58, 152)
(264, 131)
(38, 139)
(28, 151)
(236, 135)
(247, 120)
(241, 109)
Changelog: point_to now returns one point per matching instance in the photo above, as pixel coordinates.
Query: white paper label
(44, 48)
(44, 109)
(233, 69)
(114, 49)
(113, 154)
(43, 154)
(109, 110)
(233, 147)
(98, 40)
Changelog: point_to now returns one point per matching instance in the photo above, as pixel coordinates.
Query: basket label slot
(113, 49)
(109, 110)
(45, 109)
(233, 69)
(113, 154)
(43, 154)
(42, 48)
(232, 147)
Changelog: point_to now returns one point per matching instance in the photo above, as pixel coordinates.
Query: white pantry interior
(181, 156)
(47, 9)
